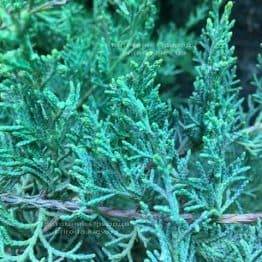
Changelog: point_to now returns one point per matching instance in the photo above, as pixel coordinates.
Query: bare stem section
(71, 206)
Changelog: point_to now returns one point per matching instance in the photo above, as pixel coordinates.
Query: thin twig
(240, 218)
(49, 5)
(85, 97)
(182, 148)
(73, 206)
(252, 129)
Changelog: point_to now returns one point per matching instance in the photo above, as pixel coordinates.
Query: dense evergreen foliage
(94, 119)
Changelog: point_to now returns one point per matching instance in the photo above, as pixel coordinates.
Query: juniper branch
(43, 7)
(38, 201)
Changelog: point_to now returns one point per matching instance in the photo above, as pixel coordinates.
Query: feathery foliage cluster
(87, 115)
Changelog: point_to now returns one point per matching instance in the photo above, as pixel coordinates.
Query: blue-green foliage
(82, 119)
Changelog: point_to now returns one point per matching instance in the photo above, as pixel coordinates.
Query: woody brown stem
(72, 206)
